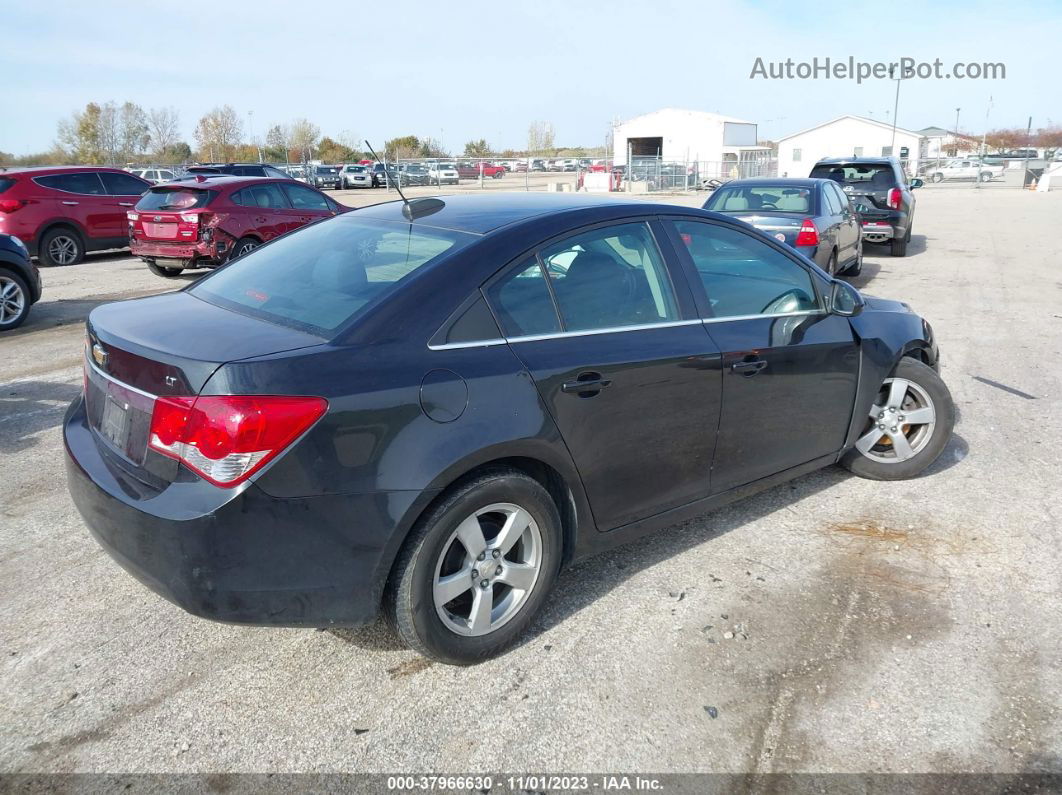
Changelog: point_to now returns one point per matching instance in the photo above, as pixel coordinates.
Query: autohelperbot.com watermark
(851, 69)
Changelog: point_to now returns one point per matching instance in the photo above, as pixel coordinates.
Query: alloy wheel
(63, 249)
(901, 422)
(12, 300)
(248, 246)
(487, 569)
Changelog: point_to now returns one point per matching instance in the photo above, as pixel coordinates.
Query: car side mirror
(845, 300)
(916, 183)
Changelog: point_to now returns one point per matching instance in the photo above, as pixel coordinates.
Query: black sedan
(812, 215)
(429, 408)
(20, 282)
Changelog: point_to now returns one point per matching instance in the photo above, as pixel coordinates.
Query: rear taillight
(10, 205)
(808, 234)
(132, 216)
(227, 438)
(894, 199)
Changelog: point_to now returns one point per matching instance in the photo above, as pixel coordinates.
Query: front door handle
(748, 368)
(70, 203)
(586, 384)
(125, 204)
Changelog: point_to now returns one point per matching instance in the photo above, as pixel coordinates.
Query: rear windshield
(775, 198)
(5, 183)
(175, 199)
(322, 277)
(857, 174)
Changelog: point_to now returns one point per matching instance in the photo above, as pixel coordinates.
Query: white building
(845, 136)
(676, 135)
(939, 143)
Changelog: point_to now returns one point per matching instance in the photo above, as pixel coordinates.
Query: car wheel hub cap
(63, 249)
(12, 300)
(487, 569)
(901, 423)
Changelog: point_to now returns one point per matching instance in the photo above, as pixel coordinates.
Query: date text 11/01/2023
(523, 783)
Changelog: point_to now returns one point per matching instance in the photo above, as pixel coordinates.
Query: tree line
(109, 133)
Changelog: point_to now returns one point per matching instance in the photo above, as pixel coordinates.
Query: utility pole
(895, 110)
(984, 134)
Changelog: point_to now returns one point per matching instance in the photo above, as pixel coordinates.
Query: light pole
(895, 109)
(250, 124)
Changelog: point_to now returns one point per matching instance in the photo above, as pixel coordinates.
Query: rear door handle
(586, 384)
(125, 204)
(748, 368)
(71, 203)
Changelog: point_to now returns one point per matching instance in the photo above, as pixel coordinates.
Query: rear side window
(122, 184)
(248, 171)
(522, 301)
(5, 183)
(269, 196)
(86, 184)
(161, 198)
(322, 277)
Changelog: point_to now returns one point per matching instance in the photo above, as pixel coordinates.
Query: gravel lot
(832, 624)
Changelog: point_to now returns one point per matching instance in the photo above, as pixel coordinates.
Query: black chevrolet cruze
(431, 407)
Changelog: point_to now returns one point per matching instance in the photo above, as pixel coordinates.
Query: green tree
(399, 148)
(218, 134)
(331, 151)
(478, 148)
(430, 147)
(303, 136)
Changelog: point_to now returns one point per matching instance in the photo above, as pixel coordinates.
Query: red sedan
(203, 222)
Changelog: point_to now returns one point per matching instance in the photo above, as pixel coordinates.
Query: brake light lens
(894, 199)
(808, 234)
(227, 438)
(10, 205)
(190, 218)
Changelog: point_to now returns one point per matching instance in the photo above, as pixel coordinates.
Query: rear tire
(831, 264)
(243, 245)
(60, 247)
(856, 267)
(876, 455)
(898, 248)
(435, 560)
(986, 176)
(938, 177)
(14, 300)
(163, 270)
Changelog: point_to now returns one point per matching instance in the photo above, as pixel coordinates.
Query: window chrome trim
(806, 312)
(450, 346)
(607, 330)
(454, 346)
(114, 380)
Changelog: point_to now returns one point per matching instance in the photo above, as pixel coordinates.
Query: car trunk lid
(166, 345)
(781, 226)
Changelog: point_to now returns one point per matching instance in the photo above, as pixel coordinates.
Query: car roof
(830, 161)
(219, 181)
(483, 214)
(38, 170)
(804, 182)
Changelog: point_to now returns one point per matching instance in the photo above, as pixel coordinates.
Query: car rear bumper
(177, 251)
(877, 231)
(241, 555)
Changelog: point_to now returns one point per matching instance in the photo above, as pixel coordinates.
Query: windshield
(777, 198)
(323, 276)
(327, 170)
(163, 198)
(355, 169)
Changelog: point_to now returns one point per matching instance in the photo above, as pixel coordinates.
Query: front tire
(14, 300)
(476, 568)
(938, 177)
(908, 427)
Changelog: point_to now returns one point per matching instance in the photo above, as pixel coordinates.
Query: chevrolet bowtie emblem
(99, 355)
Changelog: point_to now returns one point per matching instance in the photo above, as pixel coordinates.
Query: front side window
(122, 184)
(743, 276)
(323, 276)
(610, 277)
(303, 198)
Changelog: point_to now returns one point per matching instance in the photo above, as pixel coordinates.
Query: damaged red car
(204, 221)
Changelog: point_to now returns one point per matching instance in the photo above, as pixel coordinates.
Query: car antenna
(410, 210)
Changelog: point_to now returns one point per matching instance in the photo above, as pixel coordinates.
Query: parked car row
(202, 219)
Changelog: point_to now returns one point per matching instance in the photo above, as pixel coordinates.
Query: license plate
(160, 231)
(114, 424)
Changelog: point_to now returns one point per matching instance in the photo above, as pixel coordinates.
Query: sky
(467, 70)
